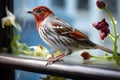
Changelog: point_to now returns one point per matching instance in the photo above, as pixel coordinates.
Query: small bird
(59, 35)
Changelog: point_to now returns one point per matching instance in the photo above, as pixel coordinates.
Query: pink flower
(102, 35)
(100, 4)
(105, 30)
(96, 25)
(99, 25)
(103, 27)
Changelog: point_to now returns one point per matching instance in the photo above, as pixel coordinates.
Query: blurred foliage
(53, 78)
(22, 48)
(18, 47)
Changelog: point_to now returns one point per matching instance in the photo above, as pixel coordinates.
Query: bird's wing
(65, 29)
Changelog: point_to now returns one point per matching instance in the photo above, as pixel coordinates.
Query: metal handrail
(58, 69)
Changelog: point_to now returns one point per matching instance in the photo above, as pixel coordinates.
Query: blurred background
(78, 13)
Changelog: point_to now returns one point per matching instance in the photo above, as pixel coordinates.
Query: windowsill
(59, 68)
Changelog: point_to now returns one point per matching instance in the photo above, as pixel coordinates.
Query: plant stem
(111, 36)
(98, 57)
(115, 55)
(112, 20)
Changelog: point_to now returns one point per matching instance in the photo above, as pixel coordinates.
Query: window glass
(112, 6)
(59, 4)
(81, 20)
(82, 4)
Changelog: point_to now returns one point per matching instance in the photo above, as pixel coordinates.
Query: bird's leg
(53, 59)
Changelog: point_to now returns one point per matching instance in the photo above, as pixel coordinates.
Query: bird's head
(40, 13)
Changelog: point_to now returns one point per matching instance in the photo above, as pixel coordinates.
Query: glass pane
(111, 4)
(80, 21)
(30, 40)
(59, 4)
(82, 4)
(24, 75)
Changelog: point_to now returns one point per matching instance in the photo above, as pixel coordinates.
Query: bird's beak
(31, 12)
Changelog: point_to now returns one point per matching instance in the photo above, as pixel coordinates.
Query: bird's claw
(53, 59)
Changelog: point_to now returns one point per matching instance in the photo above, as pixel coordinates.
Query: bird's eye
(38, 11)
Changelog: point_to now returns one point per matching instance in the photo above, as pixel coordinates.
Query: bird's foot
(53, 59)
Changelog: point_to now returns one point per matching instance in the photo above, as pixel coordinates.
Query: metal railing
(12, 62)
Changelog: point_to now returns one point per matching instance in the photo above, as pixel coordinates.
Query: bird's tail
(105, 49)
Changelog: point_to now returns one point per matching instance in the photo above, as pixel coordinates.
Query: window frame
(5, 39)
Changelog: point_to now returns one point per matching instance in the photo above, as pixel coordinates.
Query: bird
(59, 35)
